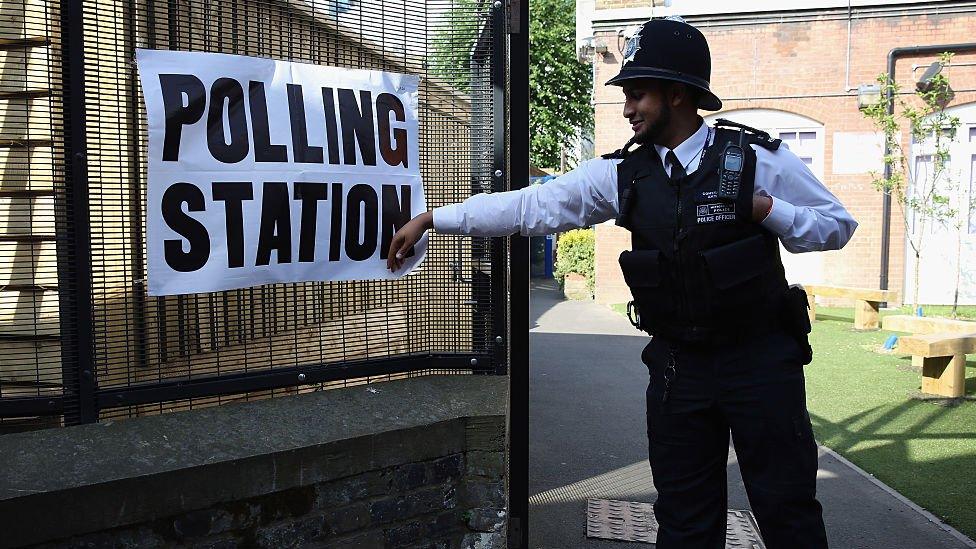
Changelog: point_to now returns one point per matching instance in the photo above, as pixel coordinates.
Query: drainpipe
(893, 56)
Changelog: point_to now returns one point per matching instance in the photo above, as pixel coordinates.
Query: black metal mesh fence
(31, 164)
(155, 354)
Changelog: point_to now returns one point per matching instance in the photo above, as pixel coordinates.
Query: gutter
(893, 56)
(611, 19)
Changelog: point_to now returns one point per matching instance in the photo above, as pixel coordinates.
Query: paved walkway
(587, 429)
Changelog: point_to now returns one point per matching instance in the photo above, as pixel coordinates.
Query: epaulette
(622, 152)
(619, 153)
(758, 137)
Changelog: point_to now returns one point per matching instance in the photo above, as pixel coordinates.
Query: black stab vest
(700, 270)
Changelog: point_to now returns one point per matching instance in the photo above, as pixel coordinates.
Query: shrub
(574, 254)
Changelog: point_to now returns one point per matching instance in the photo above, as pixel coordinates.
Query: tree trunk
(955, 297)
(918, 267)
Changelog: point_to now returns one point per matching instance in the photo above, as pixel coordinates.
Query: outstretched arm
(582, 197)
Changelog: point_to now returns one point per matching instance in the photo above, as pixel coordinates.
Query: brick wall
(799, 67)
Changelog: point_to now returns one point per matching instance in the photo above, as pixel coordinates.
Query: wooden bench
(866, 302)
(942, 358)
(927, 325)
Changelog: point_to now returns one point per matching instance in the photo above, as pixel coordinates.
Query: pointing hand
(406, 237)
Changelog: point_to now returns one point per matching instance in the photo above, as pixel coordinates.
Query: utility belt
(788, 313)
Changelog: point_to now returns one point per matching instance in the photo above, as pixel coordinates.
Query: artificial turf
(867, 406)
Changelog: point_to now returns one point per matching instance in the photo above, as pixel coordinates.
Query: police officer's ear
(672, 93)
(694, 96)
(681, 95)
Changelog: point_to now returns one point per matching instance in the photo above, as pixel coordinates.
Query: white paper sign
(264, 171)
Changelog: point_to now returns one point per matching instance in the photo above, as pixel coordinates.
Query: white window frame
(939, 251)
(776, 122)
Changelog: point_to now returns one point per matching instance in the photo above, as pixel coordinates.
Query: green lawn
(867, 406)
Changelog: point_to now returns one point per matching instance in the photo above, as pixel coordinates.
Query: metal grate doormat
(634, 521)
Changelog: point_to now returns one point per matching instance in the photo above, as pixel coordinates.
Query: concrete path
(587, 429)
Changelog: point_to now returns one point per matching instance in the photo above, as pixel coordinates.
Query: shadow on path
(587, 431)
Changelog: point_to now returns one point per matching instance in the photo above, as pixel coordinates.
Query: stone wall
(411, 463)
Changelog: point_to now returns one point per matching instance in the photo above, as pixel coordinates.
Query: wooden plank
(866, 316)
(933, 345)
(26, 42)
(28, 264)
(336, 340)
(28, 238)
(812, 307)
(24, 94)
(31, 20)
(927, 325)
(24, 168)
(25, 193)
(866, 294)
(29, 314)
(34, 362)
(26, 142)
(27, 215)
(27, 119)
(943, 375)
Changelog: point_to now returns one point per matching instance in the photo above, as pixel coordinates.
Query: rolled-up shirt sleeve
(582, 197)
(805, 214)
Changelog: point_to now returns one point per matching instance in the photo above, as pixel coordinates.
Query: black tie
(677, 170)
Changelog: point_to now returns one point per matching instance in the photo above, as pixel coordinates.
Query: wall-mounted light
(927, 84)
(590, 47)
(868, 95)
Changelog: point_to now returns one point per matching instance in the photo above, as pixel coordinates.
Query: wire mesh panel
(31, 188)
(154, 354)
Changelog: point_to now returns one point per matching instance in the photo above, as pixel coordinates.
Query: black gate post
(518, 112)
(74, 241)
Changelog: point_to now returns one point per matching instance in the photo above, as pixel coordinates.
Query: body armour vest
(700, 270)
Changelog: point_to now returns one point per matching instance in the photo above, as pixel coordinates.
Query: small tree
(922, 197)
(560, 86)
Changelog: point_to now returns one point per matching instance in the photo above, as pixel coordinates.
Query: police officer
(707, 208)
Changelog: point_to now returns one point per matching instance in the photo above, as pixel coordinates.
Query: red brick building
(793, 68)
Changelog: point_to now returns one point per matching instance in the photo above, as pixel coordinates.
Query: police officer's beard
(656, 129)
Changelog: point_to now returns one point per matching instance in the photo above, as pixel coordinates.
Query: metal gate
(83, 341)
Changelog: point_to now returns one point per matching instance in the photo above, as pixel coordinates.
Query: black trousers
(753, 389)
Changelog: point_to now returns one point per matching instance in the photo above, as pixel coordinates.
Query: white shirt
(805, 215)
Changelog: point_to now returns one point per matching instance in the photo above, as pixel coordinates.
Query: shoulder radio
(730, 170)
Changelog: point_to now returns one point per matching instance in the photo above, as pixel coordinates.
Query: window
(804, 144)
(923, 168)
(946, 134)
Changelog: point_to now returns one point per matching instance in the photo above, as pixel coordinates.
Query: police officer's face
(647, 109)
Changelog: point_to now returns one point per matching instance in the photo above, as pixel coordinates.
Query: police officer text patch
(265, 171)
(715, 212)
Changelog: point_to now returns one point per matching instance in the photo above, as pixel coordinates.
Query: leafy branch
(923, 195)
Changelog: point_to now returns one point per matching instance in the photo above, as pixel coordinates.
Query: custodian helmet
(670, 49)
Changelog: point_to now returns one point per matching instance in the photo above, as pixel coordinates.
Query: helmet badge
(633, 44)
